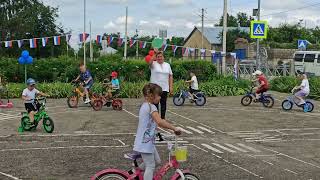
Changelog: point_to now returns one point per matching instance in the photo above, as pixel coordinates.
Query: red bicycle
(137, 174)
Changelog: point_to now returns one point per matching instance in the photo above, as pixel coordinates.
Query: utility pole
(126, 35)
(137, 50)
(202, 17)
(224, 43)
(91, 48)
(258, 40)
(84, 32)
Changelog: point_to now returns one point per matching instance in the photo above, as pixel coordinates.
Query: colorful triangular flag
(142, 44)
(120, 42)
(20, 43)
(99, 39)
(33, 43)
(8, 44)
(57, 40)
(109, 40)
(203, 52)
(132, 42)
(68, 37)
(83, 37)
(44, 41)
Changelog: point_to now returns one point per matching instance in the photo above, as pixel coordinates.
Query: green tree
(244, 20)
(231, 21)
(25, 19)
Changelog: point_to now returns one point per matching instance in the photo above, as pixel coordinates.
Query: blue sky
(177, 16)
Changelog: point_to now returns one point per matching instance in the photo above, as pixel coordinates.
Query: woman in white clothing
(161, 74)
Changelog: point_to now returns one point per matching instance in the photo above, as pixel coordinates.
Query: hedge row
(65, 69)
(218, 87)
(286, 84)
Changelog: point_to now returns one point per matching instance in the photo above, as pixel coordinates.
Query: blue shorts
(89, 85)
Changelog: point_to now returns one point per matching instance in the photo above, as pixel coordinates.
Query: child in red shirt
(263, 83)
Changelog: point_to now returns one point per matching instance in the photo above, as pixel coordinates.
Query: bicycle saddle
(132, 156)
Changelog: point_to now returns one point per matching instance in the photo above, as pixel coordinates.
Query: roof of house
(212, 33)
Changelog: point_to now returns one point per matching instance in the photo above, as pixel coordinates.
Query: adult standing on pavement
(161, 74)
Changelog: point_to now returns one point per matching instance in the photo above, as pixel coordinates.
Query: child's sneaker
(87, 101)
(305, 108)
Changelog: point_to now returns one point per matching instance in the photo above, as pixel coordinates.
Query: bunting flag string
(120, 42)
(8, 44)
(83, 37)
(68, 37)
(132, 42)
(57, 40)
(33, 43)
(164, 47)
(99, 39)
(44, 41)
(109, 40)
(20, 43)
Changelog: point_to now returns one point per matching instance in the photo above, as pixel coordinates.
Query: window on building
(309, 58)
(298, 57)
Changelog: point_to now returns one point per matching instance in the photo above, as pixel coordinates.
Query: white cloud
(164, 23)
(175, 2)
(109, 25)
(122, 20)
(142, 22)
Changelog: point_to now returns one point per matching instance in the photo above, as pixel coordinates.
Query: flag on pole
(20, 43)
(120, 42)
(44, 41)
(83, 37)
(99, 39)
(57, 40)
(132, 42)
(8, 44)
(33, 43)
(142, 44)
(109, 40)
(164, 47)
(68, 37)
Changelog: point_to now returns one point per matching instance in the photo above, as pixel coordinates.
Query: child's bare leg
(191, 95)
(301, 100)
(31, 116)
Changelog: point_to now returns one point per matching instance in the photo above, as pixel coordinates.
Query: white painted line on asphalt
(58, 135)
(130, 113)
(205, 129)
(264, 140)
(235, 147)
(121, 142)
(224, 148)
(9, 176)
(235, 165)
(165, 142)
(199, 148)
(62, 147)
(291, 171)
(194, 129)
(282, 154)
(267, 162)
(186, 131)
(196, 121)
(248, 147)
(61, 141)
(212, 148)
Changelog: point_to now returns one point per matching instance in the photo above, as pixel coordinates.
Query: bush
(218, 87)
(63, 69)
(286, 84)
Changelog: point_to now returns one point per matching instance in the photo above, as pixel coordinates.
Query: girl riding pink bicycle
(144, 145)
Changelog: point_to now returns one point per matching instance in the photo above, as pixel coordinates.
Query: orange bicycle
(78, 93)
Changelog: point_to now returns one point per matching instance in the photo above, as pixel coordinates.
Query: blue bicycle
(266, 99)
(199, 98)
(291, 100)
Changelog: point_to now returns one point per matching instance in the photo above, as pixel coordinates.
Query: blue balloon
(25, 54)
(21, 60)
(29, 60)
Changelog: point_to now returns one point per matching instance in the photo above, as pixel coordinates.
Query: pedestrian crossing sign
(259, 29)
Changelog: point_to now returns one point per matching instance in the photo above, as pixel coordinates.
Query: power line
(281, 12)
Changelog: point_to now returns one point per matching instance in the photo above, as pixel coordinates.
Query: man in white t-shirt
(161, 74)
(194, 86)
(304, 88)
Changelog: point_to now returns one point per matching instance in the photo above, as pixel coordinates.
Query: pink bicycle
(137, 174)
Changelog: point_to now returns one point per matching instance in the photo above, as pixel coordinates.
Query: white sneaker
(87, 101)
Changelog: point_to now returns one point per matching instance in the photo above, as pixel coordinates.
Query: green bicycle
(47, 122)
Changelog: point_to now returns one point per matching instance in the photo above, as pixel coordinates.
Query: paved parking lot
(225, 141)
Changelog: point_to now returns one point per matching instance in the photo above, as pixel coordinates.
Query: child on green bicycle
(28, 95)
(149, 119)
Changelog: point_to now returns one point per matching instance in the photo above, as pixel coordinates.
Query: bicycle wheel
(25, 123)
(177, 100)
(287, 105)
(246, 100)
(48, 124)
(188, 176)
(310, 106)
(201, 100)
(268, 102)
(111, 176)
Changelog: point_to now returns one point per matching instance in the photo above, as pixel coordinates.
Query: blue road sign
(302, 44)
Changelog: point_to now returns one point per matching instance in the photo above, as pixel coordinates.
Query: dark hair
(151, 89)
(159, 52)
(81, 64)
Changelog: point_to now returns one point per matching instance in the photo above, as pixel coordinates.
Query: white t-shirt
(146, 132)
(160, 75)
(305, 86)
(30, 94)
(194, 84)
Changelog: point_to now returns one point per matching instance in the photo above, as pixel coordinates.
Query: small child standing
(194, 86)
(149, 119)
